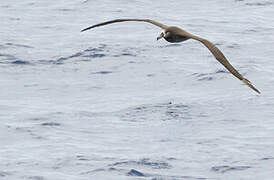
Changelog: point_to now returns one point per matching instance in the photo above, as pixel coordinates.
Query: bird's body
(175, 34)
(175, 37)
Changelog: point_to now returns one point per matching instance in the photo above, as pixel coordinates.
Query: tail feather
(247, 82)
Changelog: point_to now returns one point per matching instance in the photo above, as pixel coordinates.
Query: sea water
(114, 103)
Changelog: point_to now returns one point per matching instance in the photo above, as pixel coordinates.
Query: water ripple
(209, 76)
(102, 72)
(167, 111)
(18, 45)
(267, 158)
(266, 3)
(34, 177)
(51, 124)
(161, 177)
(96, 52)
(144, 162)
(10, 59)
(134, 172)
(5, 174)
(85, 55)
(224, 169)
(21, 62)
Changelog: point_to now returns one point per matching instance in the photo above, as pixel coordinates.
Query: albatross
(175, 34)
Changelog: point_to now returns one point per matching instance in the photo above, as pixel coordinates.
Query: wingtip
(86, 29)
(247, 82)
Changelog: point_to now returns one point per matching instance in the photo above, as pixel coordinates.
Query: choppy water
(114, 103)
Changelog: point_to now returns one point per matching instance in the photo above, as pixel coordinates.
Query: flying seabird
(174, 34)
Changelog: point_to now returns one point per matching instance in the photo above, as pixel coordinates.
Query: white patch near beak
(161, 35)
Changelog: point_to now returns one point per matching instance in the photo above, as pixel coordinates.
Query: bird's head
(164, 34)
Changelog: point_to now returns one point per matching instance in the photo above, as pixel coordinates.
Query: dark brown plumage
(174, 34)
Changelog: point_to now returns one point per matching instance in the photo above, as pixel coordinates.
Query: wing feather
(123, 20)
(222, 59)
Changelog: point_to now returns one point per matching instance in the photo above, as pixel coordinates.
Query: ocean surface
(113, 103)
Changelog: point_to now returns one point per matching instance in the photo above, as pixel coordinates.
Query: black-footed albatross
(174, 34)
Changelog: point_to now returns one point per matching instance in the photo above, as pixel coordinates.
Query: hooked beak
(160, 36)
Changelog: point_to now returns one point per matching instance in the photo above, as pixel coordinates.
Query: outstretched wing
(222, 59)
(122, 20)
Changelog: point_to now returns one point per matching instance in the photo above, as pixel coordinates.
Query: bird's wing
(222, 59)
(122, 20)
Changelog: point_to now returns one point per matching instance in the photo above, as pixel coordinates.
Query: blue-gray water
(114, 103)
